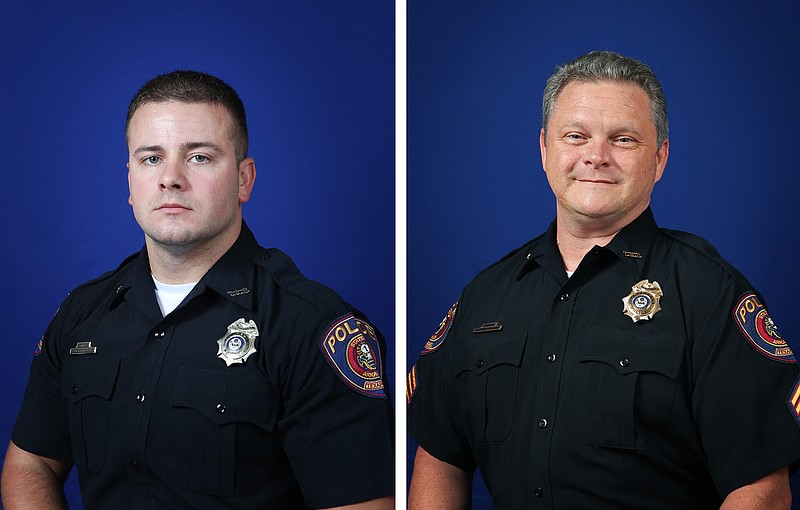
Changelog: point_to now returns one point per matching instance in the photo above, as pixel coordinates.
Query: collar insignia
(239, 292)
(238, 343)
(643, 302)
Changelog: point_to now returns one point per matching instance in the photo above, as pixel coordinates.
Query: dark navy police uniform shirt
(564, 401)
(154, 418)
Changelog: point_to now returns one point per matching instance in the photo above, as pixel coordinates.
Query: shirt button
(542, 423)
(479, 363)
(624, 362)
(551, 358)
(159, 334)
(221, 408)
(564, 297)
(134, 465)
(140, 398)
(74, 390)
(538, 492)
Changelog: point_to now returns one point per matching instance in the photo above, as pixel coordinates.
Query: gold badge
(643, 301)
(238, 343)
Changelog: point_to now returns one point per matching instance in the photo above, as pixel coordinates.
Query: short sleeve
(740, 392)
(42, 425)
(337, 432)
(435, 420)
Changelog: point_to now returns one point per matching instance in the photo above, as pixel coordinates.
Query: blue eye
(152, 160)
(200, 158)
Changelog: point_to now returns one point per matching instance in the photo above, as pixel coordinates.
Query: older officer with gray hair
(608, 363)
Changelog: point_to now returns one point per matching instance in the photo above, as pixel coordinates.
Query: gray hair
(598, 66)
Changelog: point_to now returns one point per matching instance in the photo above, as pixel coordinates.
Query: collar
(232, 277)
(631, 245)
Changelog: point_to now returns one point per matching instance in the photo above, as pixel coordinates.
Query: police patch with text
(437, 339)
(351, 347)
(756, 325)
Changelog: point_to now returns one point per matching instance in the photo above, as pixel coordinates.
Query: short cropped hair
(599, 66)
(195, 87)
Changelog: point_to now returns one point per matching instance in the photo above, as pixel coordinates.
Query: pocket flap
(88, 376)
(631, 352)
(224, 398)
(488, 350)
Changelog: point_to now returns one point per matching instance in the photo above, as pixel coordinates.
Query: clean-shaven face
(601, 153)
(184, 180)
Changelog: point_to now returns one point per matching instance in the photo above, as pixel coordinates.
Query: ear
(130, 198)
(543, 150)
(661, 159)
(247, 178)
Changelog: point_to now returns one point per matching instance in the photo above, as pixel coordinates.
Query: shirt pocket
(211, 408)
(489, 369)
(626, 381)
(87, 386)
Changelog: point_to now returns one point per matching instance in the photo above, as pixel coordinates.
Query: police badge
(238, 343)
(643, 302)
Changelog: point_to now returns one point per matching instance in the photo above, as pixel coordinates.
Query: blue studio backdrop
(317, 79)
(476, 72)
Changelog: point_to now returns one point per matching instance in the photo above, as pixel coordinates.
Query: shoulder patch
(351, 347)
(437, 339)
(756, 325)
(411, 384)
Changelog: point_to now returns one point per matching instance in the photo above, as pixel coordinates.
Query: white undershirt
(570, 273)
(170, 296)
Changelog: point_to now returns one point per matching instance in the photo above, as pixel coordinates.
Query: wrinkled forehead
(624, 98)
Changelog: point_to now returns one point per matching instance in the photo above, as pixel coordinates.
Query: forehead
(609, 98)
(183, 120)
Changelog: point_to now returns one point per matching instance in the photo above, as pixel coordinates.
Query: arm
(435, 484)
(386, 503)
(771, 492)
(31, 481)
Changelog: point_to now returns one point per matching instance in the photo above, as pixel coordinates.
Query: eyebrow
(187, 146)
(621, 128)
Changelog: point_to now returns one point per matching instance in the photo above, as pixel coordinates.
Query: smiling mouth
(595, 181)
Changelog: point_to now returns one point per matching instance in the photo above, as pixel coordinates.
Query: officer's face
(600, 154)
(186, 187)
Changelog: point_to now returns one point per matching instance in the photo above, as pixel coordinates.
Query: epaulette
(288, 277)
(512, 253)
(507, 257)
(108, 274)
(704, 248)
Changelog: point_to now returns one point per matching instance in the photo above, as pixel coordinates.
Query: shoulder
(89, 293)
(700, 255)
(313, 313)
(291, 285)
(496, 276)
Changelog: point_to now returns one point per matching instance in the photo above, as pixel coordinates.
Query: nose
(172, 176)
(598, 154)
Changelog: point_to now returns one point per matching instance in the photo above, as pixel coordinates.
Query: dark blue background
(476, 72)
(317, 79)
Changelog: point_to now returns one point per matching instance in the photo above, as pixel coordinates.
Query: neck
(576, 237)
(177, 264)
